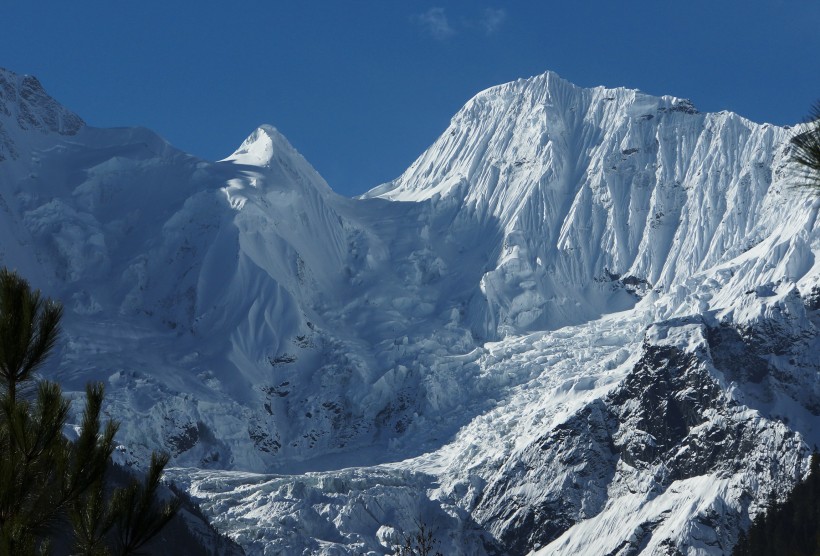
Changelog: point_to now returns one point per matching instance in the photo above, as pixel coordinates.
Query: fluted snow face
(589, 183)
(183, 280)
(576, 301)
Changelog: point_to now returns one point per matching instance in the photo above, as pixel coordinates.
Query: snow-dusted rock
(583, 322)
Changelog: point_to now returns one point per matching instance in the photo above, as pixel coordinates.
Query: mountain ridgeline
(584, 321)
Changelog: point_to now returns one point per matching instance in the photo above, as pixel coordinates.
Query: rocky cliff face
(24, 105)
(583, 322)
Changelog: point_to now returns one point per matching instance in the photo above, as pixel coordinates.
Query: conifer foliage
(54, 491)
(806, 150)
(421, 542)
(791, 528)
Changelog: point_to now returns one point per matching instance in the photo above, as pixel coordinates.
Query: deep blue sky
(362, 88)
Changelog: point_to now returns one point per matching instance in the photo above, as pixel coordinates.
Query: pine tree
(29, 327)
(790, 528)
(420, 543)
(51, 488)
(806, 150)
(135, 510)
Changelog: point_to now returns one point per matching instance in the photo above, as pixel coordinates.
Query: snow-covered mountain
(583, 322)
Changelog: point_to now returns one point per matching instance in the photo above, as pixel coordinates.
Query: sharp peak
(261, 146)
(544, 85)
(542, 81)
(10, 75)
(549, 79)
(267, 131)
(23, 86)
(267, 148)
(26, 104)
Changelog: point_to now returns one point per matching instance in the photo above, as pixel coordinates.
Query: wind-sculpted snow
(583, 322)
(590, 184)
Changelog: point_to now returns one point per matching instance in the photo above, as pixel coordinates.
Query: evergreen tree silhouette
(51, 488)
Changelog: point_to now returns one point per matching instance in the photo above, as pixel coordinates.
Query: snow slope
(589, 183)
(583, 322)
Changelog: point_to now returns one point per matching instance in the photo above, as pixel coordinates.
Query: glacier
(584, 321)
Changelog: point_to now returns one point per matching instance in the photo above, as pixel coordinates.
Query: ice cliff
(584, 321)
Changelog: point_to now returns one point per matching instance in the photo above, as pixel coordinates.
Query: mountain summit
(596, 183)
(25, 107)
(269, 149)
(583, 322)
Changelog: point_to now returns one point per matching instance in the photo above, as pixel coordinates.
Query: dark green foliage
(806, 150)
(29, 327)
(420, 543)
(87, 514)
(34, 469)
(50, 486)
(138, 516)
(791, 528)
(179, 533)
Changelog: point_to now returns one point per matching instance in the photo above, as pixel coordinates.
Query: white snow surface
(485, 344)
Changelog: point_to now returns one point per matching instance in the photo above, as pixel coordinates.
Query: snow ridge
(576, 301)
(596, 183)
(25, 107)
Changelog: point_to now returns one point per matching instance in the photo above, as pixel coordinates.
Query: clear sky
(362, 88)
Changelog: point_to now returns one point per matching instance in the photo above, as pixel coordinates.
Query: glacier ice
(583, 318)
